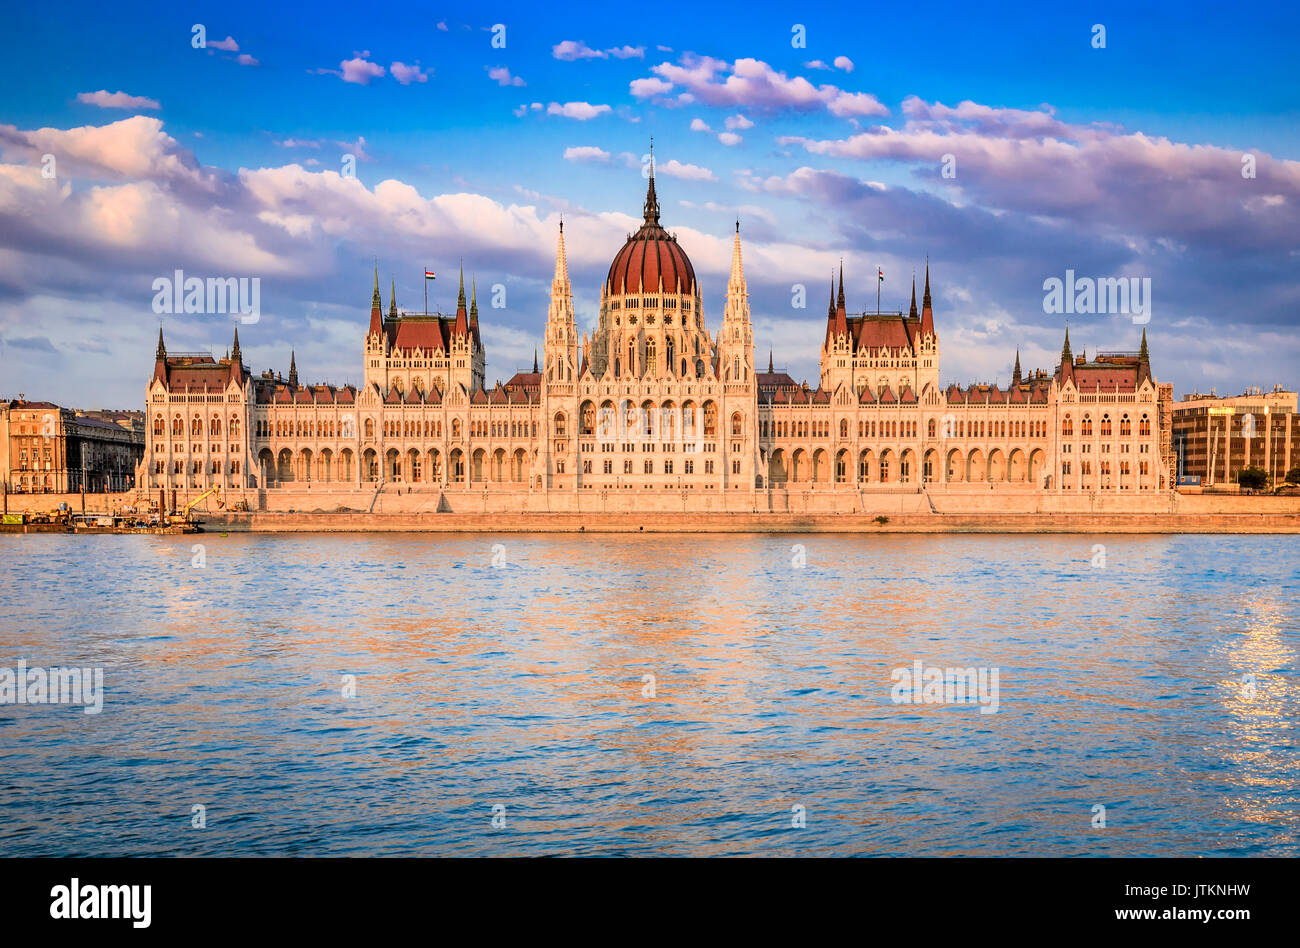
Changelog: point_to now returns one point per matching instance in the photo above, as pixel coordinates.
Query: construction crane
(185, 514)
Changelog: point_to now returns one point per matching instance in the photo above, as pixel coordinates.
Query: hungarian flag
(429, 275)
(880, 273)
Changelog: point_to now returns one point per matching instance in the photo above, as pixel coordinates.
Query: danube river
(652, 695)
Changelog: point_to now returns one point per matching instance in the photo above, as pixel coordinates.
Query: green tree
(1293, 476)
(1252, 478)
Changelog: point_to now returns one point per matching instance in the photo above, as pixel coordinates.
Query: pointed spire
(293, 370)
(839, 300)
(1144, 359)
(235, 355)
(830, 306)
(161, 352)
(1067, 358)
(392, 299)
(460, 296)
(535, 360)
(769, 362)
(473, 301)
(927, 311)
(1015, 373)
(651, 199)
(912, 312)
(737, 264)
(376, 308)
(561, 259)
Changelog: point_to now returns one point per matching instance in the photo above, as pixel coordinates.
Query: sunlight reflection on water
(522, 686)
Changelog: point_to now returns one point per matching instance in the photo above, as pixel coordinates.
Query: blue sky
(1121, 161)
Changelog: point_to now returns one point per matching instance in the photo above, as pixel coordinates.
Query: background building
(1215, 437)
(50, 449)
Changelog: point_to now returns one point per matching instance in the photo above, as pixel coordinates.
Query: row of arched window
(196, 425)
(1106, 430)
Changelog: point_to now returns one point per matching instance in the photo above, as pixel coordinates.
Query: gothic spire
(460, 297)
(534, 360)
(839, 300)
(234, 351)
(1015, 373)
(375, 304)
(392, 299)
(293, 370)
(651, 199)
(927, 311)
(912, 311)
(769, 362)
(473, 301)
(161, 352)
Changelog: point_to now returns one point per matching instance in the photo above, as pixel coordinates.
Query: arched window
(710, 420)
(1067, 427)
(737, 424)
(214, 427)
(234, 426)
(588, 418)
(158, 427)
(930, 428)
(196, 426)
(1105, 426)
(1144, 426)
(651, 358)
(844, 427)
(559, 424)
(1085, 428)
(1125, 426)
(370, 428)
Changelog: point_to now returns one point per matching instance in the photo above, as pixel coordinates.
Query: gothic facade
(652, 401)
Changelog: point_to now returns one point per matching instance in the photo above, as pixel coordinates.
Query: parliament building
(653, 405)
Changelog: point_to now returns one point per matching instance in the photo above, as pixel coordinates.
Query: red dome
(649, 254)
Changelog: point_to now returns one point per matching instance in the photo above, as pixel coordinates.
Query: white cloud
(582, 111)
(117, 100)
(843, 62)
(246, 60)
(699, 125)
(589, 153)
(734, 122)
(407, 74)
(729, 139)
(501, 75)
(359, 70)
(644, 88)
(228, 44)
(572, 50)
(754, 83)
(676, 169)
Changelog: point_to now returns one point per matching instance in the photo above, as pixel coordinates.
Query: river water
(657, 695)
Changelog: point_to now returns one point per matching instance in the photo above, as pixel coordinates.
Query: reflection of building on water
(654, 402)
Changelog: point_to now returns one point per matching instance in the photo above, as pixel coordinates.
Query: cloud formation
(117, 100)
(751, 83)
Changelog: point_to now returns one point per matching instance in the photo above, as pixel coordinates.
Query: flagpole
(426, 291)
(878, 282)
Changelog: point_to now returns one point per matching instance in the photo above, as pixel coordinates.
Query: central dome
(649, 255)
